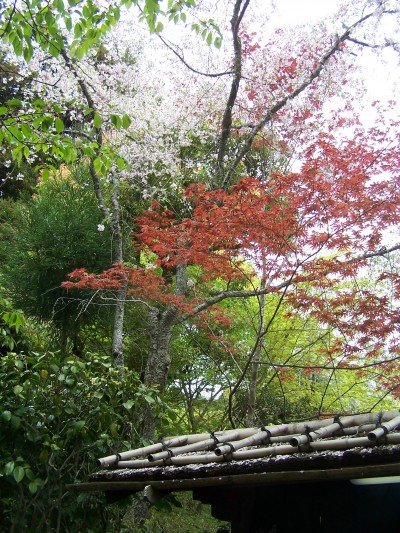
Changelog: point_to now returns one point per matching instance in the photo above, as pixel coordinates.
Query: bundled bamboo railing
(228, 445)
(259, 453)
(172, 442)
(384, 428)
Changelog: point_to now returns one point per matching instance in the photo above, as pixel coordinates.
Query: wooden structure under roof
(304, 476)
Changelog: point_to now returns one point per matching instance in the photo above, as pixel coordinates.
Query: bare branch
(226, 124)
(192, 69)
(369, 45)
(330, 366)
(224, 295)
(379, 253)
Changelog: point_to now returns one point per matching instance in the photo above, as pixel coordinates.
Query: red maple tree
(314, 229)
(305, 234)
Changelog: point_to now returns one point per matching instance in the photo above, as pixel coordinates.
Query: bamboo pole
(253, 440)
(271, 451)
(358, 420)
(104, 462)
(236, 439)
(354, 430)
(384, 428)
(171, 442)
(207, 444)
(322, 433)
(139, 463)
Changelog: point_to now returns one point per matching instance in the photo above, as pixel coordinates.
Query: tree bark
(251, 408)
(117, 348)
(159, 358)
(112, 213)
(118, 331)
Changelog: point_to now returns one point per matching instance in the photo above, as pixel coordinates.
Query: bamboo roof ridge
(336, 433)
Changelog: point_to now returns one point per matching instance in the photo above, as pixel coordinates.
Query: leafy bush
(10, 322)
(56, 419)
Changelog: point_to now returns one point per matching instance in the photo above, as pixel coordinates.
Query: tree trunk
(118, 331)
(158, 363)
(251, 409)
(117, 348)
(159, 358)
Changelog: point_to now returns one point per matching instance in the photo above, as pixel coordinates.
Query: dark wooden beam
(263, 478)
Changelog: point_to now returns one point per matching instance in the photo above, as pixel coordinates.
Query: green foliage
(182, 515)
(55, 232)
(68, 31)
(209, 32)
(11, 321)
(56, 419)
(47, 25)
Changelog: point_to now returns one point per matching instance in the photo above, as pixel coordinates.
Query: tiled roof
(370, 441)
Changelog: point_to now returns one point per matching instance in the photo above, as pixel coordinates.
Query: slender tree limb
(378, 253)
(369, 45)
(274, 288)
(226, 124)
(254, 350)
(331, 367)
(189, 67)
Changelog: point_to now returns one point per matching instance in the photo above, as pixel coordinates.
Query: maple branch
(231, 294)
(272, 111)
(384, 396)
(294, 355)
(279, 105)
(340, 396)
(379, 253)
(126, 300)
(330, 367)
(224, 295)
(332, 375)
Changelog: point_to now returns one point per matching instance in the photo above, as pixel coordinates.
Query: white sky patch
(295, 12)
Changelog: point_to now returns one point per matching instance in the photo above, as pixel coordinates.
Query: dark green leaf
(6, 416)
(19, 473)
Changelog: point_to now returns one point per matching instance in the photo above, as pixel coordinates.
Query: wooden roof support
(265, 478)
